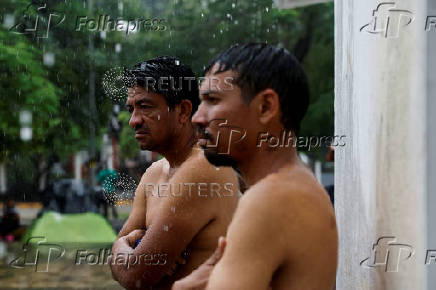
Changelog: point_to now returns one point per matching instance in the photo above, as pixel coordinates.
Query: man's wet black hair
(260, 66)
(180, 82)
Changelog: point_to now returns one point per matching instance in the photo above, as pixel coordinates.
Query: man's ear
(268, 105)
(185, 111)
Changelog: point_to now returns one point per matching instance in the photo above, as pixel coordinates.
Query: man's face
(151, 118)
(225, 121)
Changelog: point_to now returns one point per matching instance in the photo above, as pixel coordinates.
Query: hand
(133, 237)
(124, 246)
(199, 278)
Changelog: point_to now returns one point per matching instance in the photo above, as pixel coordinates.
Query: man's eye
(213, 100)
(145, 106)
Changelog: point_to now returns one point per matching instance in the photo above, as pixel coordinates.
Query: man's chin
(145, 146)
(219, 159)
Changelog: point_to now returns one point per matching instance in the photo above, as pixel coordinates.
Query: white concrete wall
(381, 174)
(431, 145)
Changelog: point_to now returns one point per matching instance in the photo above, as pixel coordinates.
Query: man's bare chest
(157, 196)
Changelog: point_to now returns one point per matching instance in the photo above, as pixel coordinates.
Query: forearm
(119, 269)
(131, 268)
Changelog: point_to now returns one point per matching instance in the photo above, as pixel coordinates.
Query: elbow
(129, 281)
(132, 283)
(123, 276)
(117, 272)
(133, 278)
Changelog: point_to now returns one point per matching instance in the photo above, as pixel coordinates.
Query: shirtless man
(182, 203)
(283, 234)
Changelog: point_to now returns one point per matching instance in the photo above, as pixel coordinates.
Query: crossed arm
(167, 237)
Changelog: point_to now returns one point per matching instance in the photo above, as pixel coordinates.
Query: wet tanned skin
(283, 234)
(176, 217)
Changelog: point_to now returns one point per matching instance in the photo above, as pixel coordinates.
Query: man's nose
(200, 117)
(135, 120)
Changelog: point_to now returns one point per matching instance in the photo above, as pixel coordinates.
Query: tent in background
(71, 228)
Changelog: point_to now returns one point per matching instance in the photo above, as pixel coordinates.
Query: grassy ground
(66, 272)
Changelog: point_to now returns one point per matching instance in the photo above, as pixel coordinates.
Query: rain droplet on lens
(118, 190)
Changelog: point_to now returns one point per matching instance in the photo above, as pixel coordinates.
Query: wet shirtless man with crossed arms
(183, 203)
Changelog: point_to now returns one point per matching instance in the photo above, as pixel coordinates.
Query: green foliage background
(195, 31)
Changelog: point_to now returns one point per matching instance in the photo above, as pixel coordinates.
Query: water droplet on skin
(217, 168)
(165, 228)
(173, 209)
(158, 117)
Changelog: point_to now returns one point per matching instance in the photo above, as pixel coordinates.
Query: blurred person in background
(10, 221)
(106, 187)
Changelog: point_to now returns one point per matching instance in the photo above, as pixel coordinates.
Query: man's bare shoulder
(292, 199)
(197, 169)
(280, 221)
(154, 170)
(296, 187)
